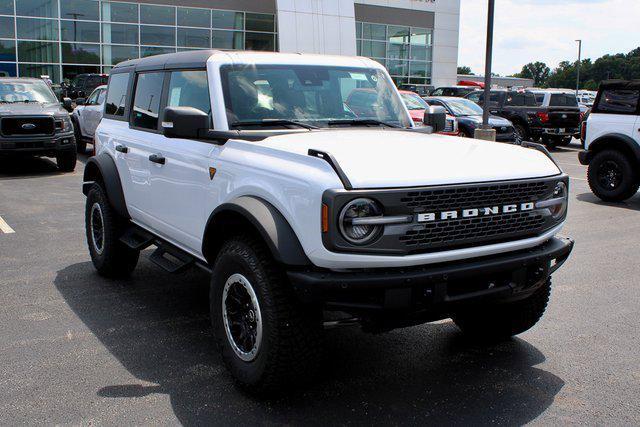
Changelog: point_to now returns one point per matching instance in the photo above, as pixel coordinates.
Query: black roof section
(620, 84)
(189, 59)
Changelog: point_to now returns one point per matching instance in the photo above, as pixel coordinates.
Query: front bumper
(47, 144)
(435, 289)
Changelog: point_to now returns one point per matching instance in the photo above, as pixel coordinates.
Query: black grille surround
(27, 126)
(448, 234)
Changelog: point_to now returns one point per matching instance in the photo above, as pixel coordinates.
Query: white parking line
(4, 227)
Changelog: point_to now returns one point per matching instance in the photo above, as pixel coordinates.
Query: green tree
(464, 70)
(537, 71)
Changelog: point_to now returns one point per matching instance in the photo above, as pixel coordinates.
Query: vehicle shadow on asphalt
(631, 204)
(30, 166)
(157, 326)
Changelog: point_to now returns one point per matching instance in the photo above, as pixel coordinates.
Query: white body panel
(175, 200)
(599, 125)
(88, 116)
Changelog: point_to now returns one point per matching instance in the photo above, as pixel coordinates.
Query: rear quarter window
(117, 95)
(617, 101)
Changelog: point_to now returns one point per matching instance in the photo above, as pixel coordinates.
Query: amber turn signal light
(325, 218)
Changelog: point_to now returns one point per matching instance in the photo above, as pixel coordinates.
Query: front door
(180, 185)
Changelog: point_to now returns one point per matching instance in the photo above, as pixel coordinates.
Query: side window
(146, 101)
(101, 96)
(117, 94)
(530, 100)
(475, 97)
(93, 99)
(189, 89)
(437, 92)
(618, 102)
(515, 100)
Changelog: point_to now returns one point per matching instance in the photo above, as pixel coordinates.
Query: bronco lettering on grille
(476, 212)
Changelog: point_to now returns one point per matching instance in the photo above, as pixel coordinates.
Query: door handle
(157, 158)
(122, 148)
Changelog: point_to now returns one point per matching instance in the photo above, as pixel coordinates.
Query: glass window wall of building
(405, 51)
(63, 38)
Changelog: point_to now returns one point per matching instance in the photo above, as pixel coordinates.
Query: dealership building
(417, 40)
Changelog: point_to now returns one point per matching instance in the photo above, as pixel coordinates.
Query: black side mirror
(435, 117)
(67, 104)
(81, 101)
(184, 122)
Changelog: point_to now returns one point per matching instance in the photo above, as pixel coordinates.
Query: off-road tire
(81, 145)
(630, 181)
(521, 132)
(116, 260)
(67, 160)
(290, 351)
(498, 322)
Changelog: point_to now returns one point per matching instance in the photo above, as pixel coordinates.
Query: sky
(545, 30)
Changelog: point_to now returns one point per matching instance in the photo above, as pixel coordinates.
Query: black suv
(32, 122)
(83, 84)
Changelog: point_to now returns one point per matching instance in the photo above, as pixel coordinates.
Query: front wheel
(612, 177)
(104, 227)
(498, 322)
(66, 160)
(269, 342)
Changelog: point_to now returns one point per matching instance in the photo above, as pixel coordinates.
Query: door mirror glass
(436, 118)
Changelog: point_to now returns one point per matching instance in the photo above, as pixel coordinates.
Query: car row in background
(553, 118)
(417, 106)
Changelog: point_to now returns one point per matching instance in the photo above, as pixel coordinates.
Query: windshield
(28, 91)
(316, 96)
(464, 107)
(413, 101)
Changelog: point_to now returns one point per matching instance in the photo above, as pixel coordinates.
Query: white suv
(253, 167)
(87, 115)
(611, 137)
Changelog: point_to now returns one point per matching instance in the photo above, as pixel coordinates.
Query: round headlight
(355, 231)
(560, 192)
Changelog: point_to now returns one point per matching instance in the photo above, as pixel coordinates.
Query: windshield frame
(32, 87)
(395, 101)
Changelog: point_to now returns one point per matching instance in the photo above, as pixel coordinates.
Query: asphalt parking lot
(79, 349)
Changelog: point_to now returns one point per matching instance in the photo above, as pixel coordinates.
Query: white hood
(377, 158)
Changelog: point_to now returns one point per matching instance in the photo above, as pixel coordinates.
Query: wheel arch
(102, 169)
(620, 142)
(257, 216)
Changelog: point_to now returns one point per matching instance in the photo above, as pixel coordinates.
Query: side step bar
(166, 256)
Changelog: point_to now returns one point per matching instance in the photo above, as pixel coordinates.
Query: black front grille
(480, 230)
(27, 126)
(450, 217)
(475, 196)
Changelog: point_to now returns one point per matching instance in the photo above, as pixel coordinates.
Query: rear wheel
(269, 342)
(66, 160)
(497, 322)
(521, 132)
(104, 227)
(612, 177)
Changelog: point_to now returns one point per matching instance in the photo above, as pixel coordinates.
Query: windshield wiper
(361, 122)
(272, 122)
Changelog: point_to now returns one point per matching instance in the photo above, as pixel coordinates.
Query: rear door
(179, 186)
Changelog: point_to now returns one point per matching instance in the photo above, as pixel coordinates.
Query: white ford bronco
(611, 137)
(309, 214)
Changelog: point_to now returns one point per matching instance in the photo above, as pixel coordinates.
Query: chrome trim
(380, 220)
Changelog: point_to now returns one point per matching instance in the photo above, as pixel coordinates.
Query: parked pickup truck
(252, 166)
(554, 121)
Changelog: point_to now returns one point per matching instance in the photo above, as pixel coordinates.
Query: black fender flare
(103, 167)
(620, 139)
(272, 226)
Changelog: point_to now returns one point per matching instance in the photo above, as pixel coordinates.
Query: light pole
(487, 132)
(579, 63)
